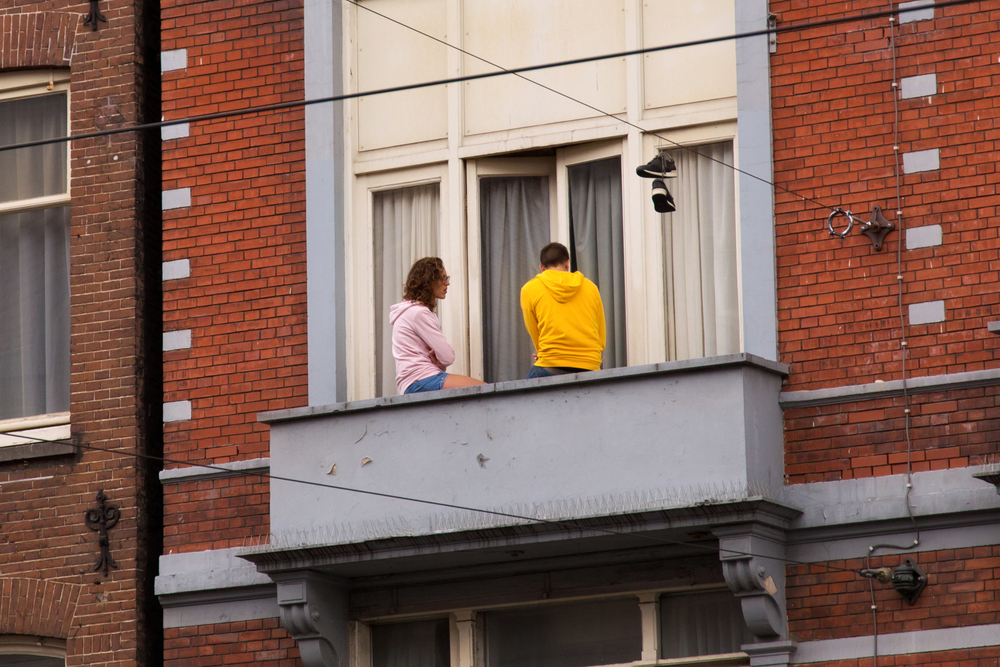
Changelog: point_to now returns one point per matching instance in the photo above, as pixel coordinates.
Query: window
(24, 651)
(706, 625)
(702, 623)
(700, 255)
(515, 207)
(599, 632)
(405, 228)
(34, 253)
(415, 644)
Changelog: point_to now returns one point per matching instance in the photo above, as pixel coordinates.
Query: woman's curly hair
(421, 279)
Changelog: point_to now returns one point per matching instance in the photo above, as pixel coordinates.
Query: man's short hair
(553, 254)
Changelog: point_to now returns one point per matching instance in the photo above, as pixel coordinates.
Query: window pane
(597, 244)
(34, 313)
(706, 623)
(703, 313)
(17, 660)
(405, 230)
(603, 632)
(514, 227)
(420, 644)
(37, 171)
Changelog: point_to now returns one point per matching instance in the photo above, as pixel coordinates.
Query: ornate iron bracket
(877, 228)
(94, 16)
(103, 518)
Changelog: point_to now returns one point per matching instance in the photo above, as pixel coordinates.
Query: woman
(421, 351)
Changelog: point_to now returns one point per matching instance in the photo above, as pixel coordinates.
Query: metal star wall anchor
(102, 519)
(94, 16)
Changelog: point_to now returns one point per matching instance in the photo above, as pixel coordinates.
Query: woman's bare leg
(453, 381)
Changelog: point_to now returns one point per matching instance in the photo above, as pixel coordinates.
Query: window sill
(35, 437)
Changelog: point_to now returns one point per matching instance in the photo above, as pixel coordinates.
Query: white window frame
(360, 271)
(467, 636)
(486, 168)
(45, 647)
(15, 85)
(690, 137)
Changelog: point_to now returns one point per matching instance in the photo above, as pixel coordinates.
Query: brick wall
(839, 314)
(832, 102)
(973, 657)
(963, 589)
(867, 438)
(244, 236)
(241, 643)
(47, 553)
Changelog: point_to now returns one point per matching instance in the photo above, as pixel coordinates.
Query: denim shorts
(433, 383)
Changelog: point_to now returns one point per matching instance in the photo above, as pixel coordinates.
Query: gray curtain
(514, 223)
(601, 632)
(34, 263)
(703, 315)
(704, 623)
(417, 644)
(595, 211)
(405, 229)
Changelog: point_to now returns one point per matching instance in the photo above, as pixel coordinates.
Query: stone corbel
(751, 556)
(314, 611)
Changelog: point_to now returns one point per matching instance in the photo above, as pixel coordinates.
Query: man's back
(565, 318)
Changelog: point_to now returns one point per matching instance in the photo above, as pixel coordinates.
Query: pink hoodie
(415, 333)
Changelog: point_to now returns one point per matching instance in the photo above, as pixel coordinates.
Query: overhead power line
(280, 106)
(565, 523)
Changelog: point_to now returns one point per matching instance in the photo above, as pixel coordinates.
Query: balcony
(600, 484)
(660, 438)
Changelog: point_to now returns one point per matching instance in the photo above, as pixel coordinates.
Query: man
(564, 316)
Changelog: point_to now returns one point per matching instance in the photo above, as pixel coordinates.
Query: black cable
(279, 106)
(509, 515)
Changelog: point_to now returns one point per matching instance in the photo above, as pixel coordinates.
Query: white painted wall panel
(518, 33)
(690, 74)
(390, 55)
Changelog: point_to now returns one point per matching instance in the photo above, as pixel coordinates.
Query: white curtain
(514, 223)
(34, 262)
(405, 229)
(38, 171)
(699, 244)
(595, 203)
(705, 623)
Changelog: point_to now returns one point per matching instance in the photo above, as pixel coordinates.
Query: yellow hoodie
(565, 317)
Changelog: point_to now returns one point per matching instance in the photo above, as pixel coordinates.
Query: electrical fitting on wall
(908, 579)
(877, 228)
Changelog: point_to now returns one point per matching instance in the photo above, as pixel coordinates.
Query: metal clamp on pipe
(836, 213)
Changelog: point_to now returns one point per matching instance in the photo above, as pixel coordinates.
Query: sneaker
(660, 166)
(662, 201)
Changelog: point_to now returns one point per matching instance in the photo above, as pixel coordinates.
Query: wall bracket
(877, 228)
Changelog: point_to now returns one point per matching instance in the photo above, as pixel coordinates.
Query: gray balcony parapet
(604, 443)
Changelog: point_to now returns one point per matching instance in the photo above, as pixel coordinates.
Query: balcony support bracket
(314, 611)
(751, 556)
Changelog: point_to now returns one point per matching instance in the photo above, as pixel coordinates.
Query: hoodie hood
(397, 309)
(562, 285)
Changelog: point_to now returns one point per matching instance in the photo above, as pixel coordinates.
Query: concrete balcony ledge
(607, 443)
(516, 386)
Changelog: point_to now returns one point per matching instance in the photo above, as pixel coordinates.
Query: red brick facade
(48, 586)
(839, 317)
(832, 99)
(244, 236)
(830, 601)
(243, 643)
